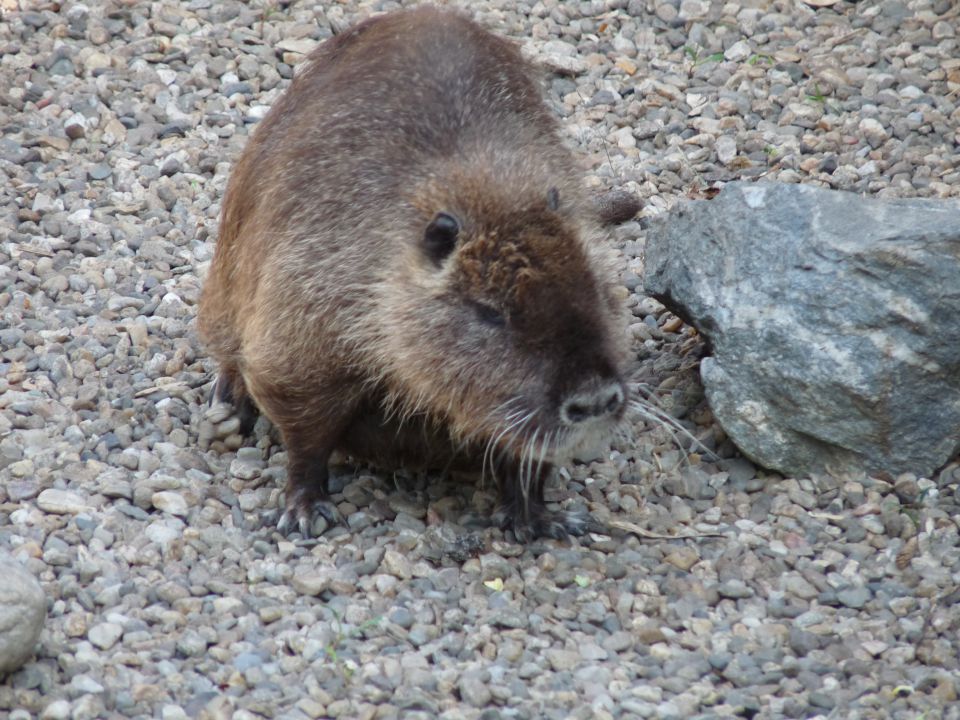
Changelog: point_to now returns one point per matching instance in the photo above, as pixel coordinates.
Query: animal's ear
(553, 199)
(440, 236)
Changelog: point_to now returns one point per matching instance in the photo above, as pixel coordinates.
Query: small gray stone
(61, 502)
(191, 644)
(719, 661)
(796, 584)
(247, 468)
(619, 641)
(311, 582)
(726, 149)
(822, 700)
(741, 471)
(555, 55)
(301, 46)
(171, 166)
(802, 642)
(115, 484)
(603, 97)
(943, 30)
(873, 132)
(693, 9)
(85, 685)
(63, 66)
(397, 565)
(245, 661)
(56, 710)
(854, 597)
(100, 171)
(105, 635)
(738, 52)
(735, 589)
(402, 617)
(20, 490)
(23, 610)
(473, 689)
(163, 532)
(561, 660)
(170, 502)
(243, 88)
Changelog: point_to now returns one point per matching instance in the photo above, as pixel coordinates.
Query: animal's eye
(553, 199)
(440, 237)
(489, 314)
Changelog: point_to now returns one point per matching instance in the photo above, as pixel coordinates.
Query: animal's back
(375, 107)
(327, 177)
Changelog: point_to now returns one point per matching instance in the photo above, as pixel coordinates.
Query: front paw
(543, 523)
(305, 511)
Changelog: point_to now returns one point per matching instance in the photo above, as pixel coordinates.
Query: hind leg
(527, 515)
(312, 420)
(229, 388)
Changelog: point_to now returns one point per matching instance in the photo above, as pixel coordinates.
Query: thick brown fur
(324, 307)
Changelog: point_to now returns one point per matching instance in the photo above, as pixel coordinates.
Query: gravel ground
(148, 520)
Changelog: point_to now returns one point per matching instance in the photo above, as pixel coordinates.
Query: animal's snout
(597, 403)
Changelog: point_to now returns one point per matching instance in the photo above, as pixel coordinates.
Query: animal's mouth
(535, 438)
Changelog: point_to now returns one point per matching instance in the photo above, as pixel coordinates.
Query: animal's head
(502, 317)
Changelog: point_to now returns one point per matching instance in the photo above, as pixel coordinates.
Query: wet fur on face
(519, 315)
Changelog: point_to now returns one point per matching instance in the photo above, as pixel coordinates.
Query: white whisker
(648, 411)
(495, 441)
(544, 446)
(528, 470)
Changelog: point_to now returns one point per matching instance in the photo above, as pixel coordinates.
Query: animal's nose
(600, 402)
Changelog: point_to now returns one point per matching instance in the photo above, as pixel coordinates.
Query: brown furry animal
(408, 270)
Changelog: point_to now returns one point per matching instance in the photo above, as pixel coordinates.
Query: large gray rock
(833, 322)
(23, 609)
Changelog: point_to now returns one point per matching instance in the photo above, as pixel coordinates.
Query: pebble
(473, 689)
(873, 131)
(100, 171)
(854, 597)
(105, 635)
(247, 466)
(310, 582)
(738, 52)
(734, 589)
(170, 502)
(300, 46)
(726, 149)
(85, 685)
(61, 502)
(561, 660)
(23, 611)
(161, 533)
(683, 557)
(56, 710)
(397, 565)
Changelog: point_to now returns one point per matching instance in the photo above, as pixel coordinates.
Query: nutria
(408, 271)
